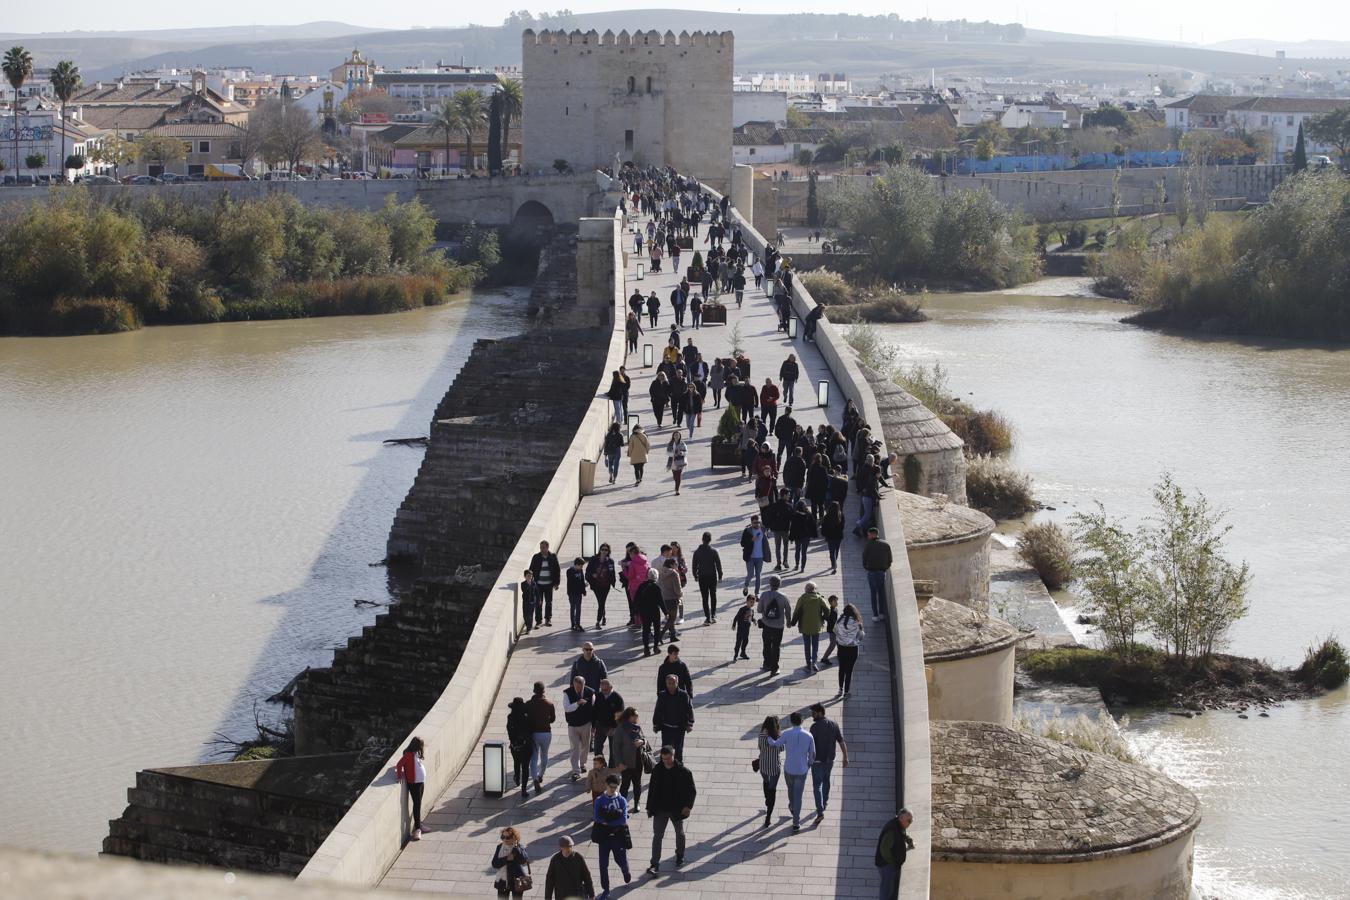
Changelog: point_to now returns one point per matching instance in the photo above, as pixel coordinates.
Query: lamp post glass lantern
(590, 539)
(823, 393)
(641, 272)
(647, 355)
(494, 768)
(792, 328)
(632, 422)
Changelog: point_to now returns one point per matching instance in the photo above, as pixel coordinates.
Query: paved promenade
(729, 854)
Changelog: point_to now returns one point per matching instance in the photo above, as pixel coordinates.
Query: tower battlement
(653, 38)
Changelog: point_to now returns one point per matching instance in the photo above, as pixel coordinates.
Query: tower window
(628, 140)
(649, 84)
(632, 84)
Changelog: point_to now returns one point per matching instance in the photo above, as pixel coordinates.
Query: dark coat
(540, 560)
(803, 527)
(568, 877)
(748, 545)
(648, 602)
(601, 574)
(673, 710)
(670, 791)
(794, 472)
(707, 564)
(817, 482)
(680, 671)
(778, 516)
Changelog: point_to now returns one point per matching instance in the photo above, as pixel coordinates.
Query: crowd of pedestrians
(801, 477)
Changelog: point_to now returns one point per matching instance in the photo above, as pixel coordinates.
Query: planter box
(714, 315)
(725, 453)
(685, 243)
(694, 275)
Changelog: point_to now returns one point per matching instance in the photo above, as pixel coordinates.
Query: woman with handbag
(510, 856)
(769, 765)
(609, 832)
(628, 751)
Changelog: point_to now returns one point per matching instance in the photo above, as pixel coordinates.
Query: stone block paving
(729, 854)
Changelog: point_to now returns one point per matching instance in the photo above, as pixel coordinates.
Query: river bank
(137, 465)
(1101, 408)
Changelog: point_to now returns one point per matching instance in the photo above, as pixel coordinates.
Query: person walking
(768, 403)
(707, 573)
(608, 708)
(576, 591)
(412, 771)
(832, 529)
(547, 575)
(633, 574)
(825, 732)
(801, 753)
(717, 381)
(638, 448)
(660, 394)
(668, 579)
(653, 310)
(786, 432)
(696, 309)
(589, 667)
(809, 616)
(616, 394)
(769, 764)
(849, 633)
(670, 800)
(741, 624)
(755, 552)
(541, 715)
(632, 328)
(610, 833)
(651, 611)
(794, 474)
(788, 373)
(520, 738)
(628, 752)
(738, 285)
(892, 846)
(677, 453)
(673, 665)
(802, 531)
(673, 717)
(831, 619)
(568, 875)
(774, 611)
(601, 576)
(693, 407)
(778, 519)
(529, 600)
(817, 483)
(613, 446)
(677, 554)
(579, 713)
(876, 559)
(511, 857)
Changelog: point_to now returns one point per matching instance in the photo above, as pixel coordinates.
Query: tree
(512, 100)
(65, 79)
(74, 161)
(1109, 116)
(115, 151)
(35, 160)
(364, 102)
(161, 149)
(1115, 194)
(286, 133)
(468, 107)
(984, 149)
(1300, 151)
(812, 202)
(445, 121)
(1200, 594)
(1333, 128)
(797, 119)
(17, 66)
(1113, 582)
(931, 132)
(494, 149)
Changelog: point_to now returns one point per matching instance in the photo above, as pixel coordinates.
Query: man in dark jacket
(892, 847)
(529, 600)
(608, 705)
(788, 373)
(876, 561)
(670, 799)
(647, 601)
(778, 519)
(756, 552)
(589, 666)
(674, 715)
(568, 875)
(707, 568)
(576, 590)
(579, 711)
(547, 575)
(784, 429)
(673, 665)
(794, 474)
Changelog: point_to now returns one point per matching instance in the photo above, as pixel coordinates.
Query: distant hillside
(1301, 49)
(862, 46)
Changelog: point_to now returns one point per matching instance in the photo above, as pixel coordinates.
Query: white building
(1278, 116)
(1020, 115)
(758, 106)
(39, 132)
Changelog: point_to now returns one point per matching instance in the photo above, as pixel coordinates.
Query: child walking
(745, 617)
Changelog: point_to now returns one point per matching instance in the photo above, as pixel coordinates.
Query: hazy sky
(1169, 20)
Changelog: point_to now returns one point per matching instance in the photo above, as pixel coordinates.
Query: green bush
(993, 484)
(1099, 735)
(890, 307)
(730, 424)
(826, 288)
(1048, 549)
(1077, 236)
(1326, 666)
(90, 315)
(986, 433)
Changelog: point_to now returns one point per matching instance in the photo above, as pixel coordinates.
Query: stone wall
(648, 98)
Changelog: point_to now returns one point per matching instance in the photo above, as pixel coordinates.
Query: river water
(1101, 410)
(187, 516)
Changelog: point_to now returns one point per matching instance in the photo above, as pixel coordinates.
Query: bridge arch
(532, 214)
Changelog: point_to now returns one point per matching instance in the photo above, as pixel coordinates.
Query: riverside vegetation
(1168, 580)
(1283, 269)
(73, 265)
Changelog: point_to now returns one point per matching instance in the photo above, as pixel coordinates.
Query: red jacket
(406, 769)
(768, 395)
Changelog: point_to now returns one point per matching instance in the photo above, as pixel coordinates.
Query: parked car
(172, 178)
(96, 179)
(141, 179)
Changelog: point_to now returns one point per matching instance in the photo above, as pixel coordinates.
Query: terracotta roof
(1315, 105)
(909, 426)
(1209, 104)
(124, 118)
(929, 521)
(952, 631)
(1000, 795)
(756, 133)
(198, 130)
(130, 93)
(802, 135)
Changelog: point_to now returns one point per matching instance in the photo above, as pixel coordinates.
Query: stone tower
(645, 97)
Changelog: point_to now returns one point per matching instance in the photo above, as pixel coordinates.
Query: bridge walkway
(729, 854)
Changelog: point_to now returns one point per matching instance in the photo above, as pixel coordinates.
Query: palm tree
(446, 121)
(18, 65)
(65, 82)
(469, 114)
(511, 96)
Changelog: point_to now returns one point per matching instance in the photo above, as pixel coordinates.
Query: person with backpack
(412, 771)
(774, 611)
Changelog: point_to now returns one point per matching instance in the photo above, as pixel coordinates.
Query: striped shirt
(770, 758)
